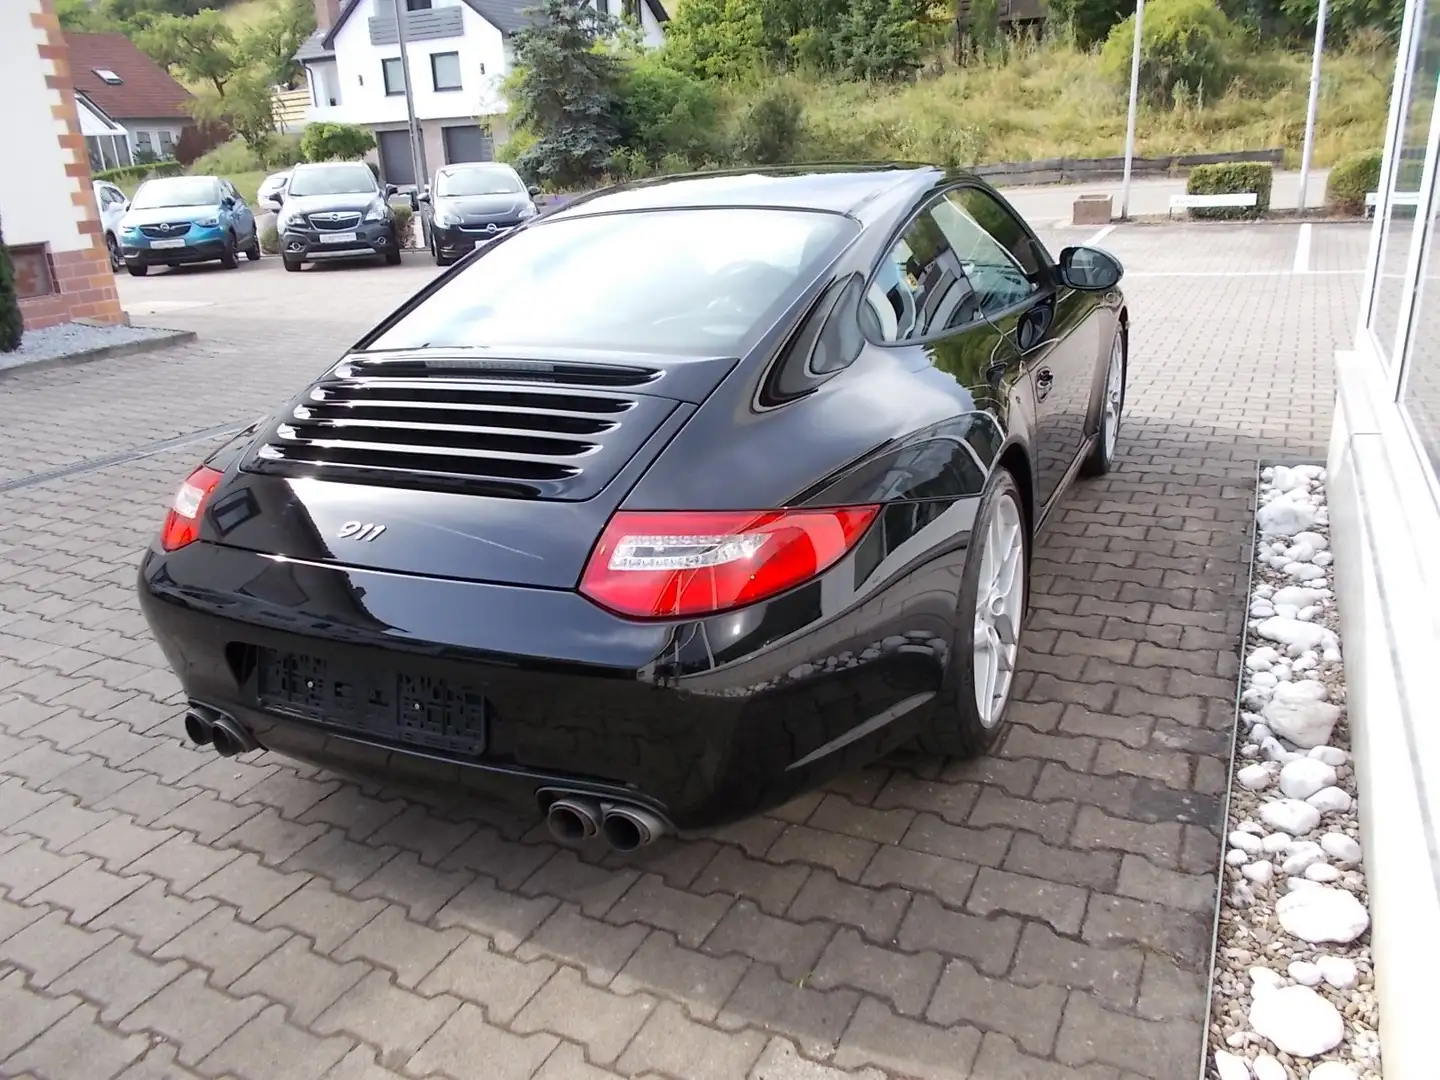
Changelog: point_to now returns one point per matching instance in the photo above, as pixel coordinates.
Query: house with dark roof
(123, 86)
(459, 53)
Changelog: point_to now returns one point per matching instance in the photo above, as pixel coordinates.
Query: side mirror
(390, 189)
(534, 190)
(228, 202)
(423, 195)
(272, 204)
(1090, 269)
(414, 201)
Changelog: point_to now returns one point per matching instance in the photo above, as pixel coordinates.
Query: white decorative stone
(1261, 873)
(1343, 849)
(1262, 659)
(1298, 636)
(1265, 979)
(1275, 842)
(1299, 713)
(1268, 1067)
(1246, 841)
(1236, 857)
(1314, 539)
(1285, 517)
(1304, 972)
(1338, 971)
(1329, 1070)
(1304, 777)
(1297, 1020)
(1321, 872)
(1253, 777)
(1321, 913)
(1300, 857)
(1231, 1067)
(1290, 815)
(1330, 755)
(1266, 679)
(1331, 800)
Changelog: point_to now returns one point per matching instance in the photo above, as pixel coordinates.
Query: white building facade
(1384, 487)
(460, 52)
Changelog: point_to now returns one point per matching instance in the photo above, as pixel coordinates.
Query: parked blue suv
(187, 219)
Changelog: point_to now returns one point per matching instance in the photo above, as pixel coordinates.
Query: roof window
(107, 76)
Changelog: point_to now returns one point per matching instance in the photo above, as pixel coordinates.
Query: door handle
(1044, 383)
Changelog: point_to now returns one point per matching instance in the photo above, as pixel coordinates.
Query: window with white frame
(394, 72)
(167, 143)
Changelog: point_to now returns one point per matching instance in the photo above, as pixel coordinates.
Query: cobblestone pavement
(1040, 915)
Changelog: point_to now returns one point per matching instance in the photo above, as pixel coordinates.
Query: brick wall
(85, 283)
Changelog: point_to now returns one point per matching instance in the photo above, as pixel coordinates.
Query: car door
(1054, 330)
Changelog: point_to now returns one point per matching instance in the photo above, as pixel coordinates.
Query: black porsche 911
(660, 509)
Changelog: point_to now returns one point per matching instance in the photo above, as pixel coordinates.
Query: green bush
(269, 240)
(133, 174)
(324, 141)
(771, 130)
(664, 112)
(1351, 178)
(282, 151)
(1235, 178)
(12, 323)
(1185, 44)
(228, 158)
(403, 216)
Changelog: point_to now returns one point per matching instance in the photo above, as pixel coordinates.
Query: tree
(720, 39)
(1089, 20)
(200, 48)
(881, 39)
(565, 92)
(272, 43)
(324, 141)
(12, 323)
(247, 108)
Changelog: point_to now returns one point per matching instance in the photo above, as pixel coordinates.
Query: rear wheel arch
(1015, 459)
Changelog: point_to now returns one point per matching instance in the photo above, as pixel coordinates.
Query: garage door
(470, 143)
(396, 165)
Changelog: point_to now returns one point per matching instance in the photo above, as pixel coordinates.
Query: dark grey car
(467, 206)
(336, 210)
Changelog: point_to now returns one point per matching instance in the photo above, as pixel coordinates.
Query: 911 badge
(360, 530)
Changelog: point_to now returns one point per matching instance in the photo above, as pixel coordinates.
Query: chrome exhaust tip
(628, 828)
(197, 728)
(573, 819)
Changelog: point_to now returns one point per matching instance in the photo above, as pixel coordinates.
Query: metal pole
(1134, 107)
(1305, 156)
(417, 143)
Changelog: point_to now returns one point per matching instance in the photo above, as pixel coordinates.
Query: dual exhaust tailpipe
(574, 819)
(210, 727)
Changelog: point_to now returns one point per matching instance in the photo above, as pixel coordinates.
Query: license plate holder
(176, 243)
(338, 238)
(402, 708)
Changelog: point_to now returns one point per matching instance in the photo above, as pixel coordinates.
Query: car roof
(459, 166)
(861, 191)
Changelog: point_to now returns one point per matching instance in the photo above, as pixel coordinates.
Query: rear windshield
(686, 281)
(332, 180)
(177, 191)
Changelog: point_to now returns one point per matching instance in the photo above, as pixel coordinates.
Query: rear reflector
(667, 565)
(182, 523)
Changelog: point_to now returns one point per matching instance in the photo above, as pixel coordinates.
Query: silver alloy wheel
(1114, 397)
(999, 606)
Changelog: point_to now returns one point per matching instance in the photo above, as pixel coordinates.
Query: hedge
(1233, 178)
(1351, 179)
(125, 174)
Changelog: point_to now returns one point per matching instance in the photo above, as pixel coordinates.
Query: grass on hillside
(1045, 100)
(245, 13)
(247, 183)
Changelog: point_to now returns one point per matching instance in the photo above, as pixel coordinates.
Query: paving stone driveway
(1041, 915)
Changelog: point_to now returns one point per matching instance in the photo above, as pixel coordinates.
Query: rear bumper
(201, 251)
(371, 238)
(573, 697)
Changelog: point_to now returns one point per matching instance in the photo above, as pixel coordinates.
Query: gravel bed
(69, 339)
(1294, 993)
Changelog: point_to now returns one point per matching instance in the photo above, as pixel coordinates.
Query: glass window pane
(1397, 230)
(1421, 396)
(446, 69)
(394, 76)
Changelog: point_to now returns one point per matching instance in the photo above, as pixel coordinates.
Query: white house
(47, 208)
(460, 52)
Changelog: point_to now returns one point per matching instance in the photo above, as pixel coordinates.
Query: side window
(1004, 226)
(996, 273)
(920, 287)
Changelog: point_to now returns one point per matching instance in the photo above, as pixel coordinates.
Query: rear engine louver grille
(522, 429)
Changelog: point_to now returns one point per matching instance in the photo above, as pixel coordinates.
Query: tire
(113, 247)
(253, 251)
(138, 269)
(228, 257)
(293, 265)
(1112, 410)
(440, 260)
(957, 727)
(392, 255)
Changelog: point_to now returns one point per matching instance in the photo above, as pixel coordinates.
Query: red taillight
(665, 565)
(182, 523)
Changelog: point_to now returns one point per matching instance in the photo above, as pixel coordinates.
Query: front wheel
(138, 269)
(253, 251)
(228, 257)
(293, 265)
(1112, 408)
(993, 592)
(116, 260)
(392, 255)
